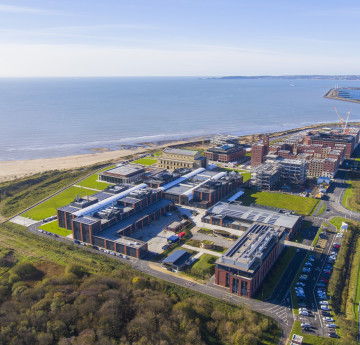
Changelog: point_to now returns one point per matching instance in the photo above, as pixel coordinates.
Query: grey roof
(111, 232)
(86, 220)
(174, 257)
(254, 214)
(102, 195)
(125, 170)
(181, 152)
(69, 208)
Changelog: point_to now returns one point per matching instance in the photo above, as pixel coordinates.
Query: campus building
(108, 218)
(236, 216)
(172, 159)
(129, 173)
(330, 139)
(245, 265)
(266, 176)
(259, 151)
(225, 153)
(203, 188)
(277, 170)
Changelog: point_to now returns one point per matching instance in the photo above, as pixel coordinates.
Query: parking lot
(154, 234)
(311, 289)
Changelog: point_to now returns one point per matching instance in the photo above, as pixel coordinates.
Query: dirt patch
(49, 268)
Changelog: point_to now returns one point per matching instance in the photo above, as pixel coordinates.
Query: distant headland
(304, 77)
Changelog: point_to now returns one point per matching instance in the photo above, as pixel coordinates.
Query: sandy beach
(10, 170)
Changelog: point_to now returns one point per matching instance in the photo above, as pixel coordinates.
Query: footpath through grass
(49, 207)
(55, 229)
(298, 204)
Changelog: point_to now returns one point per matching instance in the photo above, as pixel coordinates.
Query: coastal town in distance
(257, 221)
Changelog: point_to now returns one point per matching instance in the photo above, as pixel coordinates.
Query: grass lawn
(275, 273)
(351, 199)
(145, 161)
(322, 209)
(338, 220)
(299, 204)
(91, 181)
(53, 227)
(49, 207)
(246, 174)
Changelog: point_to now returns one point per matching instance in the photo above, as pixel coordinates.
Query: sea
(53, 117)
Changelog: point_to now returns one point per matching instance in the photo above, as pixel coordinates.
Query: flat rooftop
(180, 152)
(253, 245)
(124, 170)
(253, 214)
(111, 233)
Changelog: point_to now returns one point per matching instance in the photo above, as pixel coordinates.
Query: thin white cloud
(25, 10)
(82, 60)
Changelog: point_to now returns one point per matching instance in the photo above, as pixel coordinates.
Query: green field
(336, 221)
(298, 204)
(91, 181)
(351, 199)
(55, 229)
(49, 207)
(146, 161)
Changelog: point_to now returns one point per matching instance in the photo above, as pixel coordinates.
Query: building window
(235, 286)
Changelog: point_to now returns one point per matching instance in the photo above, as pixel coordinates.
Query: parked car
(324, 307)
(328, 319)
(330, 325)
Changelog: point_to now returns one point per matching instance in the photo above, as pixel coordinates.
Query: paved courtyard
(154, 234)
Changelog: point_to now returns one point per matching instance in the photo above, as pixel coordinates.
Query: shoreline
(14, 169)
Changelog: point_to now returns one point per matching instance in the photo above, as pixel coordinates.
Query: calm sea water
(64, 116)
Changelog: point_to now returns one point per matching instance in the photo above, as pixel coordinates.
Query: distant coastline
(10, 170)
(299, 77)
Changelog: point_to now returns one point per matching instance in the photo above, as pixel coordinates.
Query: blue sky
(178, 37)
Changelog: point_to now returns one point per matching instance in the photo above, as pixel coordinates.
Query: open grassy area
(203, 268)
(55, 229)
(337, 221)
(322, 209)
(91, 181)
(145, 161)
(49, 207)
(351, 199)
(300, 205)
(272, 278)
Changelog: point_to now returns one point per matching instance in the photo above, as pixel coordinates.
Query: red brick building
(225, 153)
(259, 151)
(245, 265)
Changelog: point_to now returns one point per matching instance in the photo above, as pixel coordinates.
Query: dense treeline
(340, 289)
(119, 308)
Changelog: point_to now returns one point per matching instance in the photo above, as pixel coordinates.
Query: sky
(44, 38)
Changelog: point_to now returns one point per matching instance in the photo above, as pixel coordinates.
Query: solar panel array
(69, 209)
(102, 196)
(87, 221)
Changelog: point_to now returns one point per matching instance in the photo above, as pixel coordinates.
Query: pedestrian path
(298, 245)
(201, 250)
